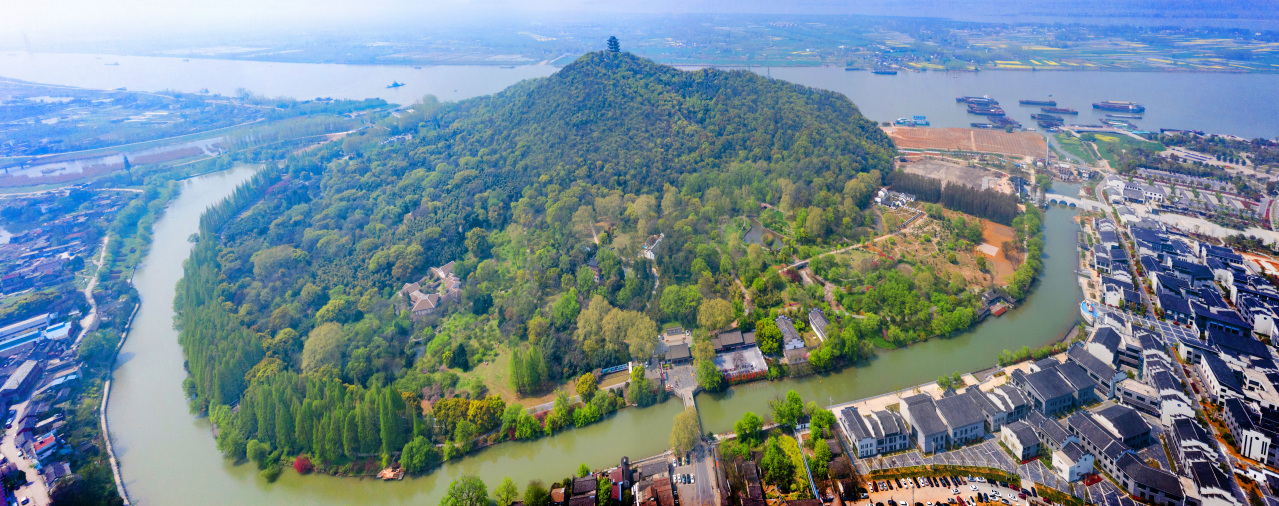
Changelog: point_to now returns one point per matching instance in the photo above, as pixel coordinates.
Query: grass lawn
(1071, 144)
(801, 477)
(1110, 145)
(883, 343)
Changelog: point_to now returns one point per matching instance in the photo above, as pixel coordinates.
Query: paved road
(704, 491)
(34, 489)
(87, 322)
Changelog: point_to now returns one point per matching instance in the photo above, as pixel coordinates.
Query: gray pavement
(704, 489)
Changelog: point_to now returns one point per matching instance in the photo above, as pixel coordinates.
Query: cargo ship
(395, 84)
(985, 111)
(1003, 122)
(1124, 116)
(1050, 103)
(884, 72)
(1047, 117)
(977, 100)
(1118, 123)
(982, 125)
(1049, 125)
(1119, 106)
(850, 69)
(1058, 110)
(913, 121)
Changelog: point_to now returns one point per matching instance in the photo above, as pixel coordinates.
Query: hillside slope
(543, 195)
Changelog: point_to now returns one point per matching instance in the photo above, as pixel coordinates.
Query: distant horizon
(46, 25)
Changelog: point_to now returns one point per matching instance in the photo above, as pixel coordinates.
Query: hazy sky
(50, 21)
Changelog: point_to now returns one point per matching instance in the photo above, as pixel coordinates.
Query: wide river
(167, 454)
(1239, 104)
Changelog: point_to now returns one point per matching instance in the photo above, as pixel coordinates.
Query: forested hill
(543, 194)
(635, 125)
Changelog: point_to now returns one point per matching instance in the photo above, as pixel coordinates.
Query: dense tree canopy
(544, 195)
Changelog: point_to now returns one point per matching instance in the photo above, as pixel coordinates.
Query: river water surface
(1239, 104)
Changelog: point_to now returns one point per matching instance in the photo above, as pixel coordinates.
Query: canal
(168, 457)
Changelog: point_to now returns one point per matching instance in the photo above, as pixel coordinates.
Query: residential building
(1256, 432)
(1021, 439)
(963, 418)
(926, 427)
(877, 433)
(1125, 424)
(1138, 395)
(1151, 485)
(1100, 372)
(1072, 462)
(817, 320)
(791, 340)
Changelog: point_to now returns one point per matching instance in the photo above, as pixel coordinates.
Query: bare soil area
(1023, 144)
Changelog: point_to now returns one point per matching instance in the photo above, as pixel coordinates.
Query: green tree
(466, 491)
(821, 421)
(768, 337)
(586, 387)
(686, 431)
(419, 456)
(787, 411)
(565, 309)
(681, 303)
(821, 460)
(322, 348)
(778, 468)
(708, 376)
(748, 428)
(640, 391)
(583, 470)
(506, 493)
(258, 453)
(535, 494)
(715, 314)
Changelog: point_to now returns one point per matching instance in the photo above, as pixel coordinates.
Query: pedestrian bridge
(1087, 205)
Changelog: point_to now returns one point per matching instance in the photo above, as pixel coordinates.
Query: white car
(954, 491)
(973, 487)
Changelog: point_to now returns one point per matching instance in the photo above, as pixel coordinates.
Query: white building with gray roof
(874, 434)
(928, 430)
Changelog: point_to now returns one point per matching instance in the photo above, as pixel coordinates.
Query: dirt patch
(1024, 144)
(927, 242)
(996, 235)
(952, 173)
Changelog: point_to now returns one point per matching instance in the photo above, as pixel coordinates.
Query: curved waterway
(168, 456)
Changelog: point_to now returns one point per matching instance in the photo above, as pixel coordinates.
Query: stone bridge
(1087, 205)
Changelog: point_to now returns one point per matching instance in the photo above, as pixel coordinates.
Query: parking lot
(986, 454)
(941, 494)
(1105, 493)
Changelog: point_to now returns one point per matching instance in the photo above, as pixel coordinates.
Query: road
(704, 491)
(34, 489)
(87, 322)
(1147, 305)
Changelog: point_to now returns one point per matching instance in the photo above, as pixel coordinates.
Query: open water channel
(168, 456)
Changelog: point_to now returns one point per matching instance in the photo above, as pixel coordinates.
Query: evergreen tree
(283, 424)
(333, 439)
(351, 434)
